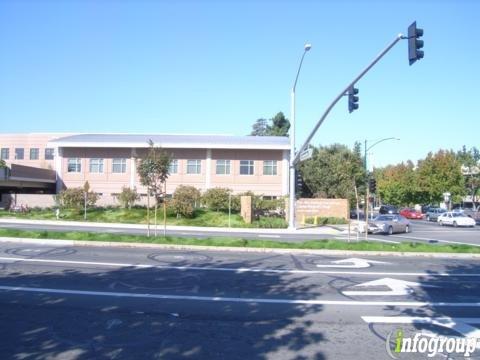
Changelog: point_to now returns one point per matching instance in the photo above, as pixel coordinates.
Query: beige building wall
(27, 142)
(108, 183)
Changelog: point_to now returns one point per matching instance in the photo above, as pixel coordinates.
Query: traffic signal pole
(296, 159)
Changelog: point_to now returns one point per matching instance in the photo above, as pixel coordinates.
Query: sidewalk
(328, 230)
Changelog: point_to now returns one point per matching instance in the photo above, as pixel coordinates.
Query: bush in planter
(128, 197)
(74, 198)
(185, 200)
(217, 199)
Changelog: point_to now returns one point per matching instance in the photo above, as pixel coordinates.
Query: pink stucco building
(108, 161)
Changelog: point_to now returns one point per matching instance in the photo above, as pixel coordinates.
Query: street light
(366, 179)
(291, 203)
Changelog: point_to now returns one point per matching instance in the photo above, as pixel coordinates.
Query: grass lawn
(239, 242)
(138, 215)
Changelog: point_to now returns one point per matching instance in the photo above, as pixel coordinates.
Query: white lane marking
(239, 270)
(352, 263)
(238, 300)
(268, 236)
(437, 240)
(397, 288)
(459, 325)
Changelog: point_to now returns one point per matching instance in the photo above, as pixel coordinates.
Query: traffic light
(298, 182)
(372, 185)
(352, 99)
(414, 44)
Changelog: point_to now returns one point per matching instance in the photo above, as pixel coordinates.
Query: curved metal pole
(334, 102)
(379, 141)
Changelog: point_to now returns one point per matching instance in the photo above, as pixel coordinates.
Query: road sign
(306, 154)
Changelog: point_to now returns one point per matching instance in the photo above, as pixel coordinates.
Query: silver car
(389, 224)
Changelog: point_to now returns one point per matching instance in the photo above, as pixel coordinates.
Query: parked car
(389, 224)
(434, 213)
(472, 213)
(387, 209)
(426, 208)
(455, 219)
(411, 213)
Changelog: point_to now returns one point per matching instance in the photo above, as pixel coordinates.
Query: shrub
(3, 164)
(185, 199)
(270, 222)
(74, 198)
(217, 198)
(318, 220)
(128, 197)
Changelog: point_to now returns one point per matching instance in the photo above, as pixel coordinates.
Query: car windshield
(384, 218)
(458, 215)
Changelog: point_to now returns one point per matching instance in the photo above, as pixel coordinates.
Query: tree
(127, 197)
(259, 128)
(74, 198)
(3, 164)
(153, 172)
(470, 166)
(333, 171)
(439, 173)
(279, 126)
(397, 184)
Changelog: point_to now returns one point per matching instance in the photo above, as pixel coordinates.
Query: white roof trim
(189, 145)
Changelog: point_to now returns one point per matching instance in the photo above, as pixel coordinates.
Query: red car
(411, 214)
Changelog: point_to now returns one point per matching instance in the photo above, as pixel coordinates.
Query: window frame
(272, 165)
(250, 166)
(77, 165)
(198, 167)
(173, 168)
(22, 152)
(122, 163)
(99, 164)
(5, 151)
(34, 151)
(227, 165)
(47, 155)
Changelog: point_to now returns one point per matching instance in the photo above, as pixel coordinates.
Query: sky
(214, 67)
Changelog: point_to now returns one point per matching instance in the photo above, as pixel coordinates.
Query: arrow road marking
(352, 263)
(459, 325)
(397, 288)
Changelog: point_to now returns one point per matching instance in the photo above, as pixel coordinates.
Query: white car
(455, 219)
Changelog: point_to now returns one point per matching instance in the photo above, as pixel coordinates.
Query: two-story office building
(108, 161)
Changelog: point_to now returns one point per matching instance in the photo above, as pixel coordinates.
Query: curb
(235, 249)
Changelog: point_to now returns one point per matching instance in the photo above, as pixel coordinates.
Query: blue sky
(217, 66)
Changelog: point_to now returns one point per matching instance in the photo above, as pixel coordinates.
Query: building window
(119, 166)
(5, 154)
(49, 153)
(194, 166)
(96, 165)
(74, 165)
(19, 154)
(223, 167)
(173, 168)
(246, 167)
(270, 167)
(34, 153)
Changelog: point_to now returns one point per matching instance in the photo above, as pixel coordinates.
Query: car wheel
(455, 224)
(407, 229)
(428, 218)
(390, 230)
(441, 223)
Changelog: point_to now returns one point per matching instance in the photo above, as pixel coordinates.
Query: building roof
(173, 141)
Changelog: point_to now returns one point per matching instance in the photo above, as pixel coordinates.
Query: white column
(208, 169)
(285, 172)
(58, 169)
(133, 168)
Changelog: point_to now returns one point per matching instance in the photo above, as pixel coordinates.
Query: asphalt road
(128, 303)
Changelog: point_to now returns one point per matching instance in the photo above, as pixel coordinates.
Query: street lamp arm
(340, 96)
(298, 71)
(379, 141)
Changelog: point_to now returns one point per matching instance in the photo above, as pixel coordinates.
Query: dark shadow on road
(41, 325)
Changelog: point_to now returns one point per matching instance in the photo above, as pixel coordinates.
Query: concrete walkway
(329, 230)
